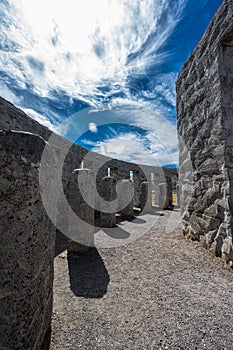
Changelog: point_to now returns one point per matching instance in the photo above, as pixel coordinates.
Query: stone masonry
(82, 232)
(27, 239)
(27, 236)
(126, 191)
(205, 130)
(12, 118)
(108, 193)
(146, 200)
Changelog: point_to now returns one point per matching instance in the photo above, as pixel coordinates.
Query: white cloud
(6, 93)
(166, 86)
(82, 46)
(88, 142)
(93, 127)
(158, 141)
(132, 148)
(41, 119)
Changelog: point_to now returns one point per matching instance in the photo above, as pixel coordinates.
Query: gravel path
(160, 292)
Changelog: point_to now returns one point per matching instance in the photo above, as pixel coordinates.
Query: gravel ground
(160, 292)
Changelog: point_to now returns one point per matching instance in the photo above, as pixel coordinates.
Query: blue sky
(102, 73)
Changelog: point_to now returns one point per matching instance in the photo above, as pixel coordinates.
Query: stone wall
(204, 110)
(27, 240)
(27, 236)
(12, 118)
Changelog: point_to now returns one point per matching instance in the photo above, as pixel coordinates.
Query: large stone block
(146, 197)
(108, 193)
(80, 196)
(178, 195)
(27, 239)
(205, 124)
(126, 195)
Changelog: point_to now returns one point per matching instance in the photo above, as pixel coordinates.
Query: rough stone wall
(226, 78)
(12, 118)
(204, 110)
(27, 235)
(79, 231)
(141, 173)
(27, 240)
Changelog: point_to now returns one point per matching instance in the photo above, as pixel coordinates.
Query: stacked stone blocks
(205, 124)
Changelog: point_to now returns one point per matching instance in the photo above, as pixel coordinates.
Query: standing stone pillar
(178, 195)
(146, 197)
(108, 193)
(125, 194)
(163, 197)
(81, 235)
(61, 224)
(152, 186)
(136, 183)
(27, 239)
(156, 186)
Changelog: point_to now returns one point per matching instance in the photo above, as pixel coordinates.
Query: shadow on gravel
(88, 275)
(137, 220)
(60, 243)
(47, 340)
(116, 232)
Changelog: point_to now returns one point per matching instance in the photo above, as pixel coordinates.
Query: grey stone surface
(205, 124)
(126, 191)
(163, 196)
(146, 197)
(178, 195)
(83, 235)
(27, 240)
(108, 193)
(12, 118)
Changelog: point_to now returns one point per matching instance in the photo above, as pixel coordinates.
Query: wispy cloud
(8, 94)
(106, 54)
(87, 142)
(84, 49)
(135, 148)
(41, 119)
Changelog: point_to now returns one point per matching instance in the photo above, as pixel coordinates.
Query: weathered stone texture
(126, 191)
(82, 203)
(178, 195)
(12, 118)
(146, 197)
(27, 240)
(204, 108)
(163, 196)
(27, 234)
(108, 193)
